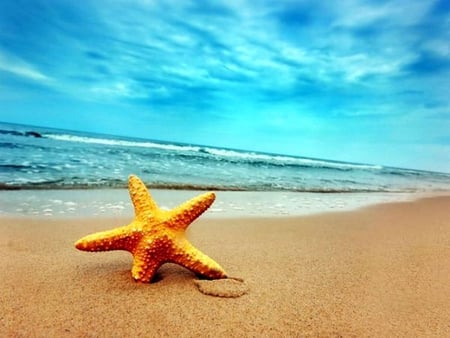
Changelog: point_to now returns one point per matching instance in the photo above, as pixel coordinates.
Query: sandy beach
(378, 271)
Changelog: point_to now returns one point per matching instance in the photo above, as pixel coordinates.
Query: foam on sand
(115, 202)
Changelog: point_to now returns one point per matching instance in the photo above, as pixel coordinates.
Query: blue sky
(361, 81)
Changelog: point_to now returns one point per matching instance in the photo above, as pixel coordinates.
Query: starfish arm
(186, 213)
(123, 238)
(196, 261)
(140, 196)
(147, 260)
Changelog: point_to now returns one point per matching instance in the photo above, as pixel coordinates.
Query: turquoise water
(43, 158)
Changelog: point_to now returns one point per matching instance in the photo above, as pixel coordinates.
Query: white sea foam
(288, 160)
(125, 143)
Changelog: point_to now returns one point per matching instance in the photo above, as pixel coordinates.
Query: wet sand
(377, 271)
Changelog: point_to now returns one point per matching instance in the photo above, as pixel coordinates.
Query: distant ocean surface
(43, 158)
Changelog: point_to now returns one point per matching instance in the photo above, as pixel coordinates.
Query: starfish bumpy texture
(157, 236)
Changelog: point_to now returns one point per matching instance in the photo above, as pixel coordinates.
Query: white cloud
(116, 90)
(353, 13)
(20, 68)
(186, 71)
(359, 65)
(438, 46)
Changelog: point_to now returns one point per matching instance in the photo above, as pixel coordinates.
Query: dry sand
(380, 271)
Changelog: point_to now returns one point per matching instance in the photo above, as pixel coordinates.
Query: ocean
(52, 172)
(43, 158)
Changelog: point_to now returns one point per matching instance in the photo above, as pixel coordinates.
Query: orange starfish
(156, 236)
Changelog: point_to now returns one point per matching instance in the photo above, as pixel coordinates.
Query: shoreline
(116, 202)
(382, 270)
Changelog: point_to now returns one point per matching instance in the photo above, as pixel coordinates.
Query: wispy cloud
(21, 68)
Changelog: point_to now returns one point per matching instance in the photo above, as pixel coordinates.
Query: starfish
(157, 236)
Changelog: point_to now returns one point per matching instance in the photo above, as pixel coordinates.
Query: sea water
(62, 159)
(35, 158)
